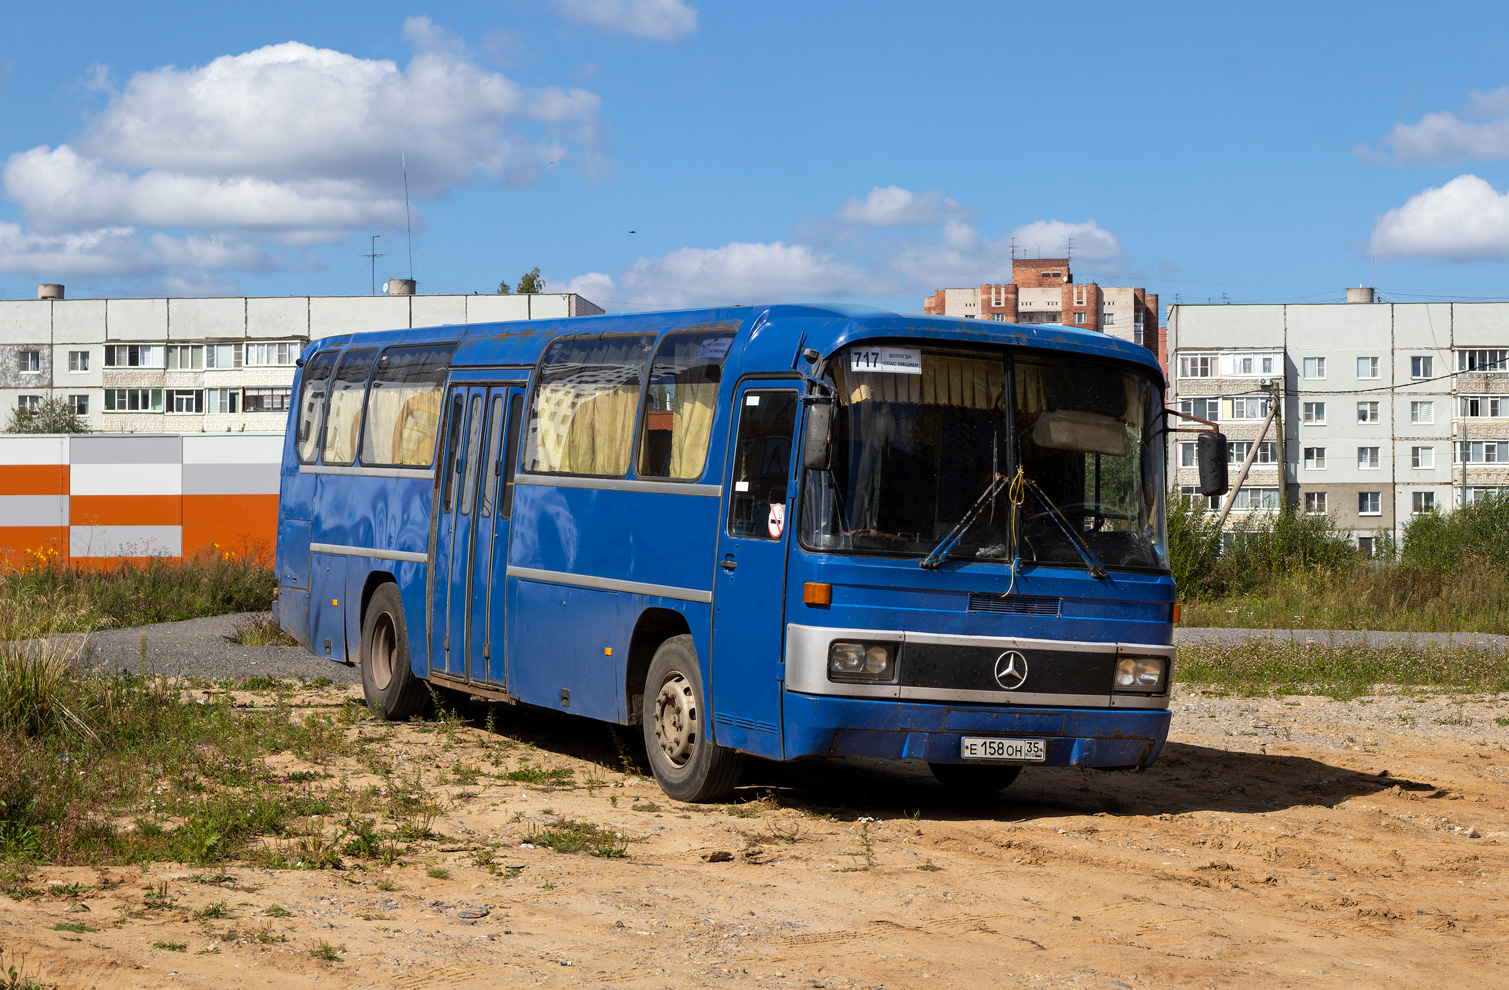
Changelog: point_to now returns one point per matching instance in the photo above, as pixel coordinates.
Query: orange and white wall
(101, 497)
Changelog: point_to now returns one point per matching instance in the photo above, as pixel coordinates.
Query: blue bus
(783, 532)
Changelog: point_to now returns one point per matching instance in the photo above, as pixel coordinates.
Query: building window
(1422, 501)
(185, 400)
(79, 404)
(1482, 360)
(1481, 452)
(1107, 319)
(133, 355)
(1367, 367)
(1483, 406)
(32, 402)
(1242, 365)
(1079, 317)
(1246, 407)
(185, 357)
(1365, 545)
(1197, 366)
(1370, 503)
(1255, 498)
(1421, 367)
(1212, 502)
(1315, 367)
(1267, 364)
(1187, 456)
(1207, 409)
(1367, 412)
(1480, 492)
(1315, 458)
(1237, 451)
(271, 355)
(1313, 413)
(1367, 458)
(222, 356)
(30, 362)
(266, 400)
(1422, 411)
(133, 400)
(78, 361)
(1315, 503)
(1422, 458)
(223, 400)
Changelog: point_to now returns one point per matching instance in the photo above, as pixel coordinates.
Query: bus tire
(688, 766)
(974, 779)
(388, 681)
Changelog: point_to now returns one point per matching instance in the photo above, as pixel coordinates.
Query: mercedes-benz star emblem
(1011, 670)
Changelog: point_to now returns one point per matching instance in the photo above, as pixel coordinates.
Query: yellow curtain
(417, 424)
(691, 428)
(344, 422)
(963, 382)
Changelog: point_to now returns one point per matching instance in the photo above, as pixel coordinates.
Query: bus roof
(824, 327)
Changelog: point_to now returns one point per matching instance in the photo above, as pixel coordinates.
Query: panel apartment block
(1389, 409)
(211, 365)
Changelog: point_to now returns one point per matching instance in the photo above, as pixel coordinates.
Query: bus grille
(1016, 604)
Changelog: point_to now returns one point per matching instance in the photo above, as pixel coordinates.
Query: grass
(539, 775)
(170, 946)
(1341, 671)
(326, 952)
(571, 836)
(261, 629)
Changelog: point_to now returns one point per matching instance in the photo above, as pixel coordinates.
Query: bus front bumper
(1103, 738)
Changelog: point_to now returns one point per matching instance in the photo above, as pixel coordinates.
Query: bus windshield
(920, 433)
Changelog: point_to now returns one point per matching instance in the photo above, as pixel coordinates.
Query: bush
(1442, 542)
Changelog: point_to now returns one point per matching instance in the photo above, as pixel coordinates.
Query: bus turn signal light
(1177, 609)
(817, 593)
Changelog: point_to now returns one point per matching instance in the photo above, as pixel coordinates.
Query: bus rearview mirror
(1211, 457)
(815, 439)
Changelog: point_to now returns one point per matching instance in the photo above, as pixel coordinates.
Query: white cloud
(662, 20)
(1481, 132)
(293, 145)
(893, 206)
(1466, 219)
(1054, 238)
(855, 256)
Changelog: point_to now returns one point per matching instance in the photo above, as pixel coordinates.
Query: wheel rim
(384, 651)
(676, 719)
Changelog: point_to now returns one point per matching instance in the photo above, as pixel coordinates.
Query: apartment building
(1388, 409)
(1043, 290)
(206, 365)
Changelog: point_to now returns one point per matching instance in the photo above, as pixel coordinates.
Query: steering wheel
(1085, 509)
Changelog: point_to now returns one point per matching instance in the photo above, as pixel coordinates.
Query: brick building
(1043, 290)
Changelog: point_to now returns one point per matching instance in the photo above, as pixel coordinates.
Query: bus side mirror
(815, 436)
(1211, 455)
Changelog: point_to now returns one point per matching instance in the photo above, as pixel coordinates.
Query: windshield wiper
(987, 497)
(1092, 562)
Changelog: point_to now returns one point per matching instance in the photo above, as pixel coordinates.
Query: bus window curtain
(586, 432)
(691, 428)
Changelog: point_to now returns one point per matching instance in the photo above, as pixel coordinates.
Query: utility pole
(1246, 466)
(1277, 387)
(374, 256)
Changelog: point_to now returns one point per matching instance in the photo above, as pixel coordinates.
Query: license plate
(1008, 750)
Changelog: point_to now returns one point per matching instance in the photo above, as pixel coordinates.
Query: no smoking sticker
(777, 522)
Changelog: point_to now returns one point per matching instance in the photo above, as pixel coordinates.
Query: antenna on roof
(1069, 252)
(1013, 249)
(374, 255)
(403, 160)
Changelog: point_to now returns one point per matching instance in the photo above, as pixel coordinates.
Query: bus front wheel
(388, 680)
(688, 766)
(974, 779)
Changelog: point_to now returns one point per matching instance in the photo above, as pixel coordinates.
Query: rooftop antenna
(408, 224)
(1069, 252)
(374, 255)
(1013, 249)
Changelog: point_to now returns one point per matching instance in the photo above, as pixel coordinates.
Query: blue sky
(655, 153)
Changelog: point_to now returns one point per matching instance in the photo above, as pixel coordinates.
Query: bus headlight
(1148, 674)
(861, 662)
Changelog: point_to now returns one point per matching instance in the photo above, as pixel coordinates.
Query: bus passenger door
(749, 588)
(489, 565)
(453, 533)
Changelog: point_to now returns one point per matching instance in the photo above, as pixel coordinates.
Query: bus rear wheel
(974, 779)
(688, 766)
(388, 681)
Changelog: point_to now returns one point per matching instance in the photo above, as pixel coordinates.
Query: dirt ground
(1290, 842)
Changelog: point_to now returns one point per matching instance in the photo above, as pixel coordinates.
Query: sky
(656, 154)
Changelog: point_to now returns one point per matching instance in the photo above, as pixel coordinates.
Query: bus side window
(347, 389)
(403, 406)
(316, 383)
(490, 473)
(451, 452)
(680, 400)
(585, 402)
(473, 454)
(762, 465)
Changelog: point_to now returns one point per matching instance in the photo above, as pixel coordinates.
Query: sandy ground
(1292, 842)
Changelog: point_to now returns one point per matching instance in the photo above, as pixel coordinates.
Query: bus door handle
(729, 563)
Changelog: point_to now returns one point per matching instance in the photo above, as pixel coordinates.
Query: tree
(531, 283)
(52, 415)
(504, 289)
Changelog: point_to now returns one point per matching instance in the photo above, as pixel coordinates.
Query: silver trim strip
(369, 472)
(611, 584)
(616, 484)
(1006, 698)
(417, 558)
